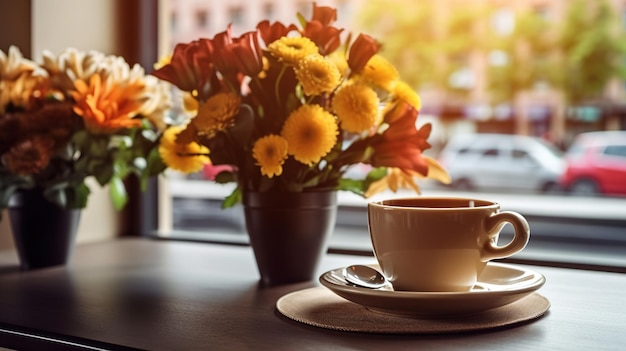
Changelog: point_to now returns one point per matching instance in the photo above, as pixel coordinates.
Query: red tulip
(248, 54)
(363, 48)
(225, 60)
(270, 33)
(191, 67)
(325, 37)
(324, 14)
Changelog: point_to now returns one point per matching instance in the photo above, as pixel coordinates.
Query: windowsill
(585, 233)
(355, 241)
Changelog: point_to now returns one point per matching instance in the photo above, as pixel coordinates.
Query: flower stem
(277, 86)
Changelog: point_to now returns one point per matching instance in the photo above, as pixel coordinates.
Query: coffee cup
(440, 243)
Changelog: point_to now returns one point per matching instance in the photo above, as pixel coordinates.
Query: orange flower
(106, 108)
(29, 156)
(401, 144)
(397, 178)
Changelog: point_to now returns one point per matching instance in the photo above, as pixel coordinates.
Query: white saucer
(498, 285)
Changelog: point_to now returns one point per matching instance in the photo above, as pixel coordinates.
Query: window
(491, 153)
(173, 22)
(236, 15)
(268, 11)
(616, 150)
(202, 19)
(566, 229)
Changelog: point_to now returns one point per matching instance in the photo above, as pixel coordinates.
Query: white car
(502, 162)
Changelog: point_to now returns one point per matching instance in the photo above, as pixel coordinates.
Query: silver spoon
(364, 276)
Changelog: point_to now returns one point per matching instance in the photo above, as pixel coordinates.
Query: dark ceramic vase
(43, 232)
(289, 233)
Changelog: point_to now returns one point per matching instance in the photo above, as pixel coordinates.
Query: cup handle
(494, 224)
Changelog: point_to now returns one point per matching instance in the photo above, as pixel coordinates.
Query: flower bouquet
(73, 116)
(288, 108)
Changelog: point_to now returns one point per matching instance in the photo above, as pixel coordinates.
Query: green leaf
(301, 19)
(225, 177)
(232, 199)
(376, 174)
(155, 163)
(81, 194)
(98, 147)
(353, 185)
(103, 173)
(81, 139)
(117, 190)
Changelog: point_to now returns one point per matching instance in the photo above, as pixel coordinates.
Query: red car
(596, 164)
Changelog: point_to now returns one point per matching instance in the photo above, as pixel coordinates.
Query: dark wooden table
(163, 295)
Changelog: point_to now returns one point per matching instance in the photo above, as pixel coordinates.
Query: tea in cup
(440, 243)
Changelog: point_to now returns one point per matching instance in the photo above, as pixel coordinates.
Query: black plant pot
(289, 233)
(43, 232)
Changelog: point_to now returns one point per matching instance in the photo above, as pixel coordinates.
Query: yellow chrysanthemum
(356, 106)
(290, 50)
(217, 113)
(317, 75)
(404, 92)
(380, 72)
(311, 132)
(338, 57)
(270, 153)
(187, 158)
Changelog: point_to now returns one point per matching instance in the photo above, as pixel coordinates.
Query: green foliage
(109, 159)
(593, 49)
(425, 48)
(528, 54)
(232, 199)
(410, 38)
(117, 190)
(360, 186)
(578, 55)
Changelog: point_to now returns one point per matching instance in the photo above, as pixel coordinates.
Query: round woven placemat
(320, 307)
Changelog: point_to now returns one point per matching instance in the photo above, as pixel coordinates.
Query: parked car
(502, 162)
(596, 164)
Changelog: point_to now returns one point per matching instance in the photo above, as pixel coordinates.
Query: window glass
(491, 153)
(202, 19)
(615, 150)
(488, 69)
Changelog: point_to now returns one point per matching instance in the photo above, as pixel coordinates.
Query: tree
(409, 38)
(526, 57)
(593, 47)
(425, 45)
